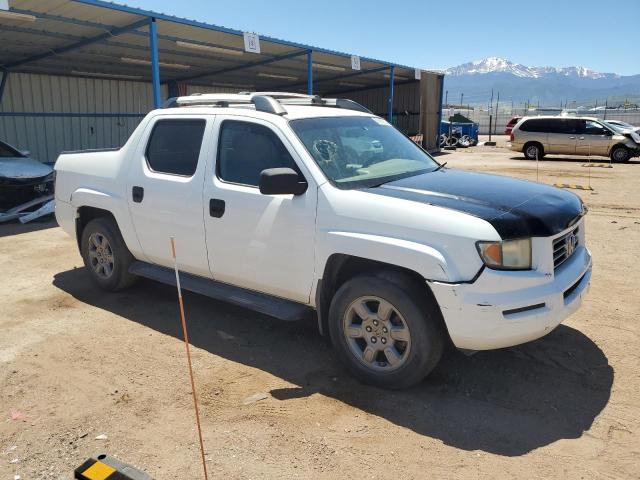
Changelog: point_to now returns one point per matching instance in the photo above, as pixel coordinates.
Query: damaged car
(26, 185)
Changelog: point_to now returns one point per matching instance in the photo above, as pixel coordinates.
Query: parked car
(22, 178)
(393, 253)
(510, 124)
(539, 136)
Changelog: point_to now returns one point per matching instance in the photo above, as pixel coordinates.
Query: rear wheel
(387, 334)
(620, 154)
(533, 151)
(105, 255)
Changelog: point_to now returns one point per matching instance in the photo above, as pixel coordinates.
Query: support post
(391, 82)
(310, 72)
(3, 83)
(155, 64)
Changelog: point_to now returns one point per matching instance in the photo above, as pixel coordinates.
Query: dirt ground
(76, 363)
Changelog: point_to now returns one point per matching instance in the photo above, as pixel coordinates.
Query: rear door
(165, 190)
(259, 242)
(562, 135)
(593, 138)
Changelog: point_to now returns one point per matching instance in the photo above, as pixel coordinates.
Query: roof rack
(270, 102)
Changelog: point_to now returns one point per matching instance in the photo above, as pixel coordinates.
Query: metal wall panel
(416, 108)
(48, 107)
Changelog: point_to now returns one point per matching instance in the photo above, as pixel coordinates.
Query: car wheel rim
(532, 151)
(619, 155)
(377, 334)
(101, 256)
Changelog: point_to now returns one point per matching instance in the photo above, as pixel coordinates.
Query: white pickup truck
(290, 204)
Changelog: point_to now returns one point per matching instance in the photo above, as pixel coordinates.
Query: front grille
(564, 246)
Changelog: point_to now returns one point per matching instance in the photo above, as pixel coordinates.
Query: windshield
(6, 151)
(619, 126)
(356, 152)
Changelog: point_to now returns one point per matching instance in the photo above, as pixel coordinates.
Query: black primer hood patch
(515, 208)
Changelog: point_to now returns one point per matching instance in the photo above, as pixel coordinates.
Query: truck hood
(515, 208)
(23, 168)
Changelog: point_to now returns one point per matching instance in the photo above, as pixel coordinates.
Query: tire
(391, 360)
(106, 256)
(620, 154)
(533, 151)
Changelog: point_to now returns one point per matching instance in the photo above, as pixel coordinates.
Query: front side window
(355, 152)
(594, 128)
(246, 149)
(174, 146)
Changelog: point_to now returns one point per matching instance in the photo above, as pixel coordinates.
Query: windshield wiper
(440, 167)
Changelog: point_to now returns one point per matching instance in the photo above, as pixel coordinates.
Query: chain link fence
(502, 117)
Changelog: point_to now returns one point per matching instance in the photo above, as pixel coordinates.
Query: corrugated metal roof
(222, 60)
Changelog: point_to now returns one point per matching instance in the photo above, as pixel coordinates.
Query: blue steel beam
(310, 73)
(243, 66)
(441, 78)
(82, 43)
(368, 87)
(155, 63)
(335, 77)
(391, 81)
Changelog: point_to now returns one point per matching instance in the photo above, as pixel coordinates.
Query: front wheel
(105, 255)
(620, 154)
(386, 333)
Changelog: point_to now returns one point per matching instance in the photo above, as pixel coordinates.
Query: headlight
(506, 255)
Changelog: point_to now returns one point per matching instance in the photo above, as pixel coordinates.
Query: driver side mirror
(281, 181)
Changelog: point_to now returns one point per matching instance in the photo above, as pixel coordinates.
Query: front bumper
(501, 309)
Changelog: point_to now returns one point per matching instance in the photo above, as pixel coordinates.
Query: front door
(260, 242)
(165, 191)
(593, 138)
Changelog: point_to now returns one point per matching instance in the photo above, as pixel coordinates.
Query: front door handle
(580, 138)
(216, 207)
(137, 193)
(572, 138)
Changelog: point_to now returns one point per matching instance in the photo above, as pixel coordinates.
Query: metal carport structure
(96, 40)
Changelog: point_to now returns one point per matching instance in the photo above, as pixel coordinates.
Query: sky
(597, 34)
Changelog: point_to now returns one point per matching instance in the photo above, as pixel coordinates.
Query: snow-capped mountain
(502, 65)
(547, 85)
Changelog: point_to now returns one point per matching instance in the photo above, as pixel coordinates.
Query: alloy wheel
(377, 334)
(101, 255)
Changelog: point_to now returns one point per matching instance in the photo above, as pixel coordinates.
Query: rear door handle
(137, 193)
(572, 138)
(216, 207)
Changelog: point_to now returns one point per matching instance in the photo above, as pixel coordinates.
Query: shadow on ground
(17, 228)
(507, 402)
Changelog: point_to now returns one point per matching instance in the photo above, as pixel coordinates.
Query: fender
(425, 260)
(114, 203)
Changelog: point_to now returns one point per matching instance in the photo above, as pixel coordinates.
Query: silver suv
(538, 136)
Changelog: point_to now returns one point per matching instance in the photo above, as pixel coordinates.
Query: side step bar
(259, 302)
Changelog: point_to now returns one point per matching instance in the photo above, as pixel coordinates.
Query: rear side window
(534, 125)
(174, 146)
(246, 149)
(550, 125)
